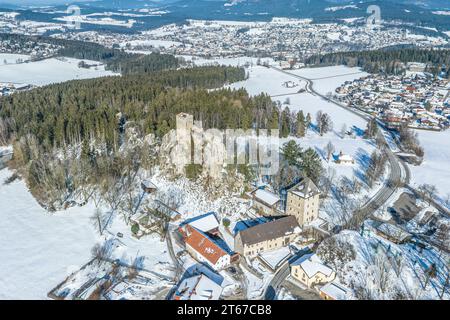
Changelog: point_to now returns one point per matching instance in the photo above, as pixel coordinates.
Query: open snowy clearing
(327, 79)
(265, 80)
(38, 249)
(435, 168)
(262, 79)
(49, 71)
(7, 58)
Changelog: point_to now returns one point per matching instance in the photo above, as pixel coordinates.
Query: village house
(392, 233)
(201, 237)
(148, 186)
(267, 236)
(335, 291)
(266, 202)
(310, 271)
(199, 287)
(207, 223)
(207, 249)
(345, 159)
(303, 202)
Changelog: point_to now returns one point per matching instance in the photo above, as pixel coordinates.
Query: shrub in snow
(226, 222)
(135, 228)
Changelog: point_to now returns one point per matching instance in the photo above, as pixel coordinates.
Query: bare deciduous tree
(324, 123)
(329, 148)
(97, 220)
(428, 192)
(103, 251)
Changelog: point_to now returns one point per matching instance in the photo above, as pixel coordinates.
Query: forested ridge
(389, 61)
(58, 130)
(72, 111)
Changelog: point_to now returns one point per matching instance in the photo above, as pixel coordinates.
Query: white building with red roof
(206, 249)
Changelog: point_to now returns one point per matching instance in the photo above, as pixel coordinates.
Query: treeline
(115, 59)
(66, 113)
(390, 61)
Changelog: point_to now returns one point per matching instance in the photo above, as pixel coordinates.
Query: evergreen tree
(285, 123)
(372, 129)
(311, 165)
(292, 153)
(274, 123)
(301, 124)
(308, 121)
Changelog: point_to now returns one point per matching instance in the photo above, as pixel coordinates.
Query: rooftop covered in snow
(198, 288)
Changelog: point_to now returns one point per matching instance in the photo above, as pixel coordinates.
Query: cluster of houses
(7, 89)
(416, 99)
(35, 49)
(288, 40)
(279, 228)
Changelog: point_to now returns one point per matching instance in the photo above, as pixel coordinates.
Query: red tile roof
(203, 245)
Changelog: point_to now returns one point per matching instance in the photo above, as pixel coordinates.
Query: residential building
(207, 223)
(148, 186)
(266, 236)
(266, 202)
(303, 202)
(310, 271)
(207, 249)
(199, 287)
(345, 159)
(335, 291)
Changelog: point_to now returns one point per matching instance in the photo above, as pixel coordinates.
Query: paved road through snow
(389, 188)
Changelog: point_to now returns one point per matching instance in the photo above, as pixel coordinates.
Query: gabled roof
(149, 185)
(311, 264)
(266, 197)
(204, 223)
(336, 291)
(345, 157)
(393, 231)
(305, 188)
(198, 288)
(270, 230)
(202, 244)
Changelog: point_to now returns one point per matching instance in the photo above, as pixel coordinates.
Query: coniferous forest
(58, 130)
(388, 61)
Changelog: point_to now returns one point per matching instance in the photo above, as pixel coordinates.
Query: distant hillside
(418, 12)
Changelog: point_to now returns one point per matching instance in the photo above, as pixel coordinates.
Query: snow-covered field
(264, 80)
(6, 58)
(38, 250)
(436, 166)
(49, 71)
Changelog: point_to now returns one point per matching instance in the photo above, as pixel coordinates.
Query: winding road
(398, 170)
(398, 175)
